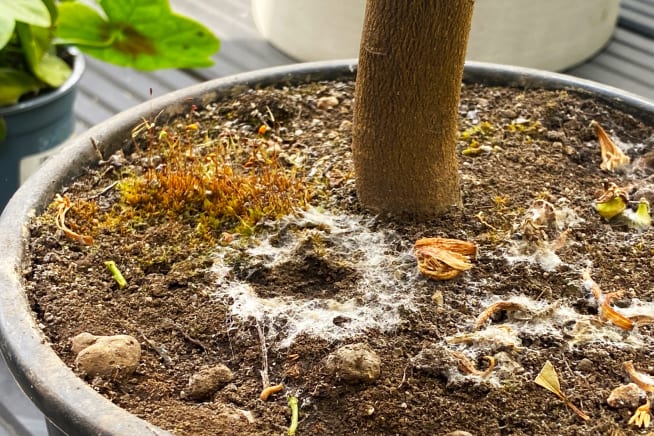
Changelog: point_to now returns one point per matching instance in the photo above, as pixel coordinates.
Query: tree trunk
(407, 95)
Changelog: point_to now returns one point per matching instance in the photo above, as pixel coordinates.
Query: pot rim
(69, 402)
(79, 65)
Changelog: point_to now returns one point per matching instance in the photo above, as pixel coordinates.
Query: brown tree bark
(407, 95)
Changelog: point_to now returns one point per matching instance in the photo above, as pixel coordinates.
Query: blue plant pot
(34, 127)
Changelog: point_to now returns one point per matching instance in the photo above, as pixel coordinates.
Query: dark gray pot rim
(68, 401)
(79, 65)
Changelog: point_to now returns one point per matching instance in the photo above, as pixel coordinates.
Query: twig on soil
(159, 349)
(103, 191)
(292, 403)
(513, 307)
(186, 336)
(468, 367)
(403, 378)
(264, 356)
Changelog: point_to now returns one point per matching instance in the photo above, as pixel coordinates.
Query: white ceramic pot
(546, 34)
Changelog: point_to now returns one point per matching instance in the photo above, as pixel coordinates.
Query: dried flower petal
(640, 219)
(610, 314)
(442, 258)
(641, 417)
(612, 157)
(466, 366)
(549, 379)
(644, 381)
(496, 307)
(606, 312)
(612, 201)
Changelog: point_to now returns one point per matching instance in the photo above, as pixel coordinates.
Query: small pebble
(627, 396)
(354, 363)
(585, 365)
(327, 102)
(207, 381)
(106, 356)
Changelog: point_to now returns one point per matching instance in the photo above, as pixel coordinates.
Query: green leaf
(46, 66)
(611, 208)
(143, 34)
(15, 83)
(28, 11)
(81, 25)
(52, 70)
(6, 28)
(641, 219)
(3, 129)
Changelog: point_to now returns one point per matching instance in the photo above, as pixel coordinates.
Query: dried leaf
(442, 258)
(610, 314)
(612, 157)
(592, 284)
(641, 417)
(549, 379)
(612, 201)
(644, 381)
(640, 219)
(496, 307)
(606, 312)
(468, 367)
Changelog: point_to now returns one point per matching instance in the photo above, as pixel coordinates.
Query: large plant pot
(67, 401)
(34, 127)
(552, 35)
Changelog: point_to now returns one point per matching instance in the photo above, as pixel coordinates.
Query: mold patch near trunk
(290, 280)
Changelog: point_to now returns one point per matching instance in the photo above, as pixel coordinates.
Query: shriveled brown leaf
(468, 367)
(612, 157)
(610, 314)
(644, 381)
(496, 307)
(442, 258)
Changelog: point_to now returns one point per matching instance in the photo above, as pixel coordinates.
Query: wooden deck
(627, 61)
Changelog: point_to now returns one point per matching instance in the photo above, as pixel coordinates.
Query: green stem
(292, 403)
(115, 272)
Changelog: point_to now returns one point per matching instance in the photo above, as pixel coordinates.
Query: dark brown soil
(334, 275)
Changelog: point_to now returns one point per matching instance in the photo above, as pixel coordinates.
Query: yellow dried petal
(612, 157)
(641, 417)
(549, 379)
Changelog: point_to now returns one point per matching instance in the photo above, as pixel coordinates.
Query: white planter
(546, 34)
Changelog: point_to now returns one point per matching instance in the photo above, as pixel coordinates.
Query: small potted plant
(39, 70)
